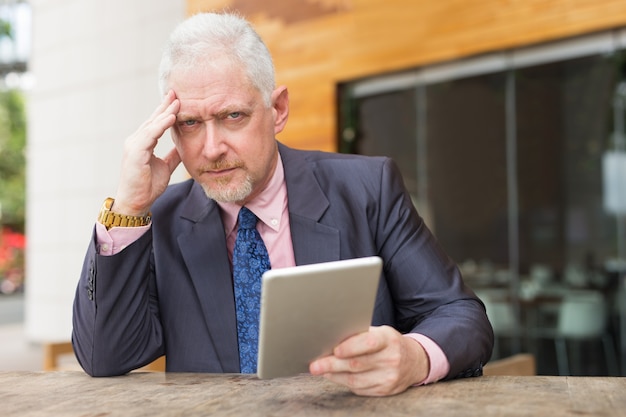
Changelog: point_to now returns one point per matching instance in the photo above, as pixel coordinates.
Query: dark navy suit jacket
(171, 291)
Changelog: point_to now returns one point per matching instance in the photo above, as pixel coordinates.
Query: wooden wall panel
(319, 43)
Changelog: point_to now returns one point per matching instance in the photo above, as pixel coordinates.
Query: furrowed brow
(181, 117)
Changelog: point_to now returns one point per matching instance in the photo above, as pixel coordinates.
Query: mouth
(220, 170)
(218, 175)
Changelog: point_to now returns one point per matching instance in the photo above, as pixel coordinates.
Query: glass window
(505, 164)
(467, 167)
(564, 118)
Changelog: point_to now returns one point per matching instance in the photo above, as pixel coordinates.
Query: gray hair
(205, 35)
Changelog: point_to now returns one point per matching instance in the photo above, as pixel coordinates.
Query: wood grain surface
(71, 394)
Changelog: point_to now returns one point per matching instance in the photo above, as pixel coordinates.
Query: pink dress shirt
(272, 210)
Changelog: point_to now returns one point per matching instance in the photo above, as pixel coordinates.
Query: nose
(214, 146)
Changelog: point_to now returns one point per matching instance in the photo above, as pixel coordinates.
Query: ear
(280, 106)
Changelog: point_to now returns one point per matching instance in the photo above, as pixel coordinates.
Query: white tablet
(307, 310)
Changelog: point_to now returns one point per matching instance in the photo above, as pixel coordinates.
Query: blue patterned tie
(250, 261)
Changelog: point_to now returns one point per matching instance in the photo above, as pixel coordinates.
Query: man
(163, 282)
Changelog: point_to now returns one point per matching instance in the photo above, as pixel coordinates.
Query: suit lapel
(206, 257)
(313, 242)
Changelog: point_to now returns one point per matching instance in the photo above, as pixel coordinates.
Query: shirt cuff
(111, 242)
(439, 365)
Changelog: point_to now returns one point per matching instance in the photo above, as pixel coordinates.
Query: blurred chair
(583, 317)
(522, 364)
(502, 316)
(56, 355)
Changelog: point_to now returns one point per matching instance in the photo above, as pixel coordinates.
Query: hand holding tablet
(308, 310)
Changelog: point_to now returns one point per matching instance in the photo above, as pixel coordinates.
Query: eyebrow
(231, 109)
(184, 116)
(243, 108)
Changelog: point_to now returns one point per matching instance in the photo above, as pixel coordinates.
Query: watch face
(108, 203)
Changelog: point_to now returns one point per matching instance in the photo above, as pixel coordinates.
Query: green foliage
(12, 159)
(5, 29)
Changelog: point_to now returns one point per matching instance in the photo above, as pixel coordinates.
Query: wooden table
(70, 394)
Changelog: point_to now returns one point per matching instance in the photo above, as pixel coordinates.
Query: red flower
(12, 239)
(12, 246)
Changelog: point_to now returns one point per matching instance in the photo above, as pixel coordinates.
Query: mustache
(222, 164)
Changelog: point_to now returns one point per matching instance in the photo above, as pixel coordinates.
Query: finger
(172, 159)
(327, 365)
(168, 98)
(334, 365)
(149, 133)
(352, 355)
(157, 125)
(377, 381)
(360, 384)
(374, 382)
(365, 343)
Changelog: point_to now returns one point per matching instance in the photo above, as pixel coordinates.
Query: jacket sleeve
(116, 325)
(428, 292)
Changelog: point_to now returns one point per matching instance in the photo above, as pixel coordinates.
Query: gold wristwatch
(110, 219)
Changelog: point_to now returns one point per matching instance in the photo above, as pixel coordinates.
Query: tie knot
(247, 219)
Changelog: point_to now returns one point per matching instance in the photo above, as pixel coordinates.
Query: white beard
(229, 194)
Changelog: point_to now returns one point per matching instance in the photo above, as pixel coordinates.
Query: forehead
(213, 88)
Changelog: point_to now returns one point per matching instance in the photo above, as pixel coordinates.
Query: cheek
(185, 144)
(185, 153)
(262, 157)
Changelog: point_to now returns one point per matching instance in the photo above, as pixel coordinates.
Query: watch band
(111, 219)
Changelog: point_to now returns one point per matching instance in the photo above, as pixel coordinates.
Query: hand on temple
(144, 176)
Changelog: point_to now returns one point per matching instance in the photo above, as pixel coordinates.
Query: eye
(234, 115)
(186, 125)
